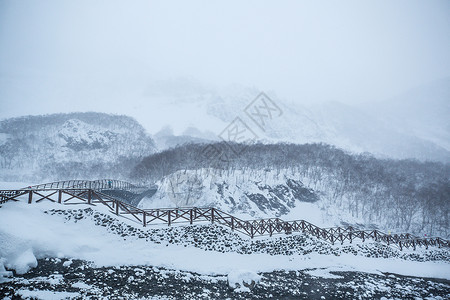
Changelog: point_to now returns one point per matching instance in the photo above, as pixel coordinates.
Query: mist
(63, 56)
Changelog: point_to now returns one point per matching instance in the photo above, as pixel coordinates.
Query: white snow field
(27, 232)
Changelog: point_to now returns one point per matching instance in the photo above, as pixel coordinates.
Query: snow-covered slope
(70, 145)
(317, 196)
(98, 236)
(93, 245)
(415, 127)
(247, 195)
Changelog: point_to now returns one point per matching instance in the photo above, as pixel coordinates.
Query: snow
(323, 273)
(22, 262)
(242, 280)
(27, 233)
(81, 285)
(90, 139)
(4, 275)
(231, 192)
(3, 138)
(199, 188)
(67, 263)
(16, 252)
(55, 279)
(6, 185)
(47, 295)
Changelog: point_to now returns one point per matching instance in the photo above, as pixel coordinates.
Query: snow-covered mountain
(422, 112)
(76, 145)
(165, 138)
(413, 125)
(178, 111)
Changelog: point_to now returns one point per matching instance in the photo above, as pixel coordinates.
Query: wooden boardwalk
(95, 193)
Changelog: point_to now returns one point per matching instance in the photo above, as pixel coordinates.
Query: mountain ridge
(383, 128)
(87, 145)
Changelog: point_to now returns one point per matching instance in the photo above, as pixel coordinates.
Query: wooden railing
(98, 185)
(190, 215)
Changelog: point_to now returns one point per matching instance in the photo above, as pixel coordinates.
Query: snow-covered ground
(27, 233)
(73, 251)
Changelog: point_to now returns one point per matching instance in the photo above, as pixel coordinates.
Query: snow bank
(4, 275)
(242, 280)
(16, 253)
(23, 262)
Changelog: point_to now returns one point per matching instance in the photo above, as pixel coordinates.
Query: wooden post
(144, 221)
(232, 223)
(30, 197)
(251, 231)
(89, 195)
(190, 216)
(400, 244)
(212, 215)
(117, 207)
(168, 217)
(60, 196)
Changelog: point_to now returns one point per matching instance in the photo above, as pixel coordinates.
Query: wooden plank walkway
(76, 192)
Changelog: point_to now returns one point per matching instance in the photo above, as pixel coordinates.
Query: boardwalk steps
(99, 192)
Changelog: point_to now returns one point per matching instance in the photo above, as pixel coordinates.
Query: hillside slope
(75, 145)
(315, 182)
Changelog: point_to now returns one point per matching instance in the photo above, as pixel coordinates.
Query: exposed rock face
(233, 192)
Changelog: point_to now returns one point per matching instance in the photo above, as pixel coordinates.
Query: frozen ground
(74, 279)
(77, 251)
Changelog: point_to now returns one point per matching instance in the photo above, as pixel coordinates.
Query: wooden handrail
(252, 228)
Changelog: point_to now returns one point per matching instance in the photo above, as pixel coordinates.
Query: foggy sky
(60, 56)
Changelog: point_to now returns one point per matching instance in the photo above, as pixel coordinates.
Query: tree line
(407, 194)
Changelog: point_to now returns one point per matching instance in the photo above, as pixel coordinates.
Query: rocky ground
(75, 279)
(56, 278)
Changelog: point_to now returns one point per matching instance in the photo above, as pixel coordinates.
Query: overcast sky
(88, 55)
